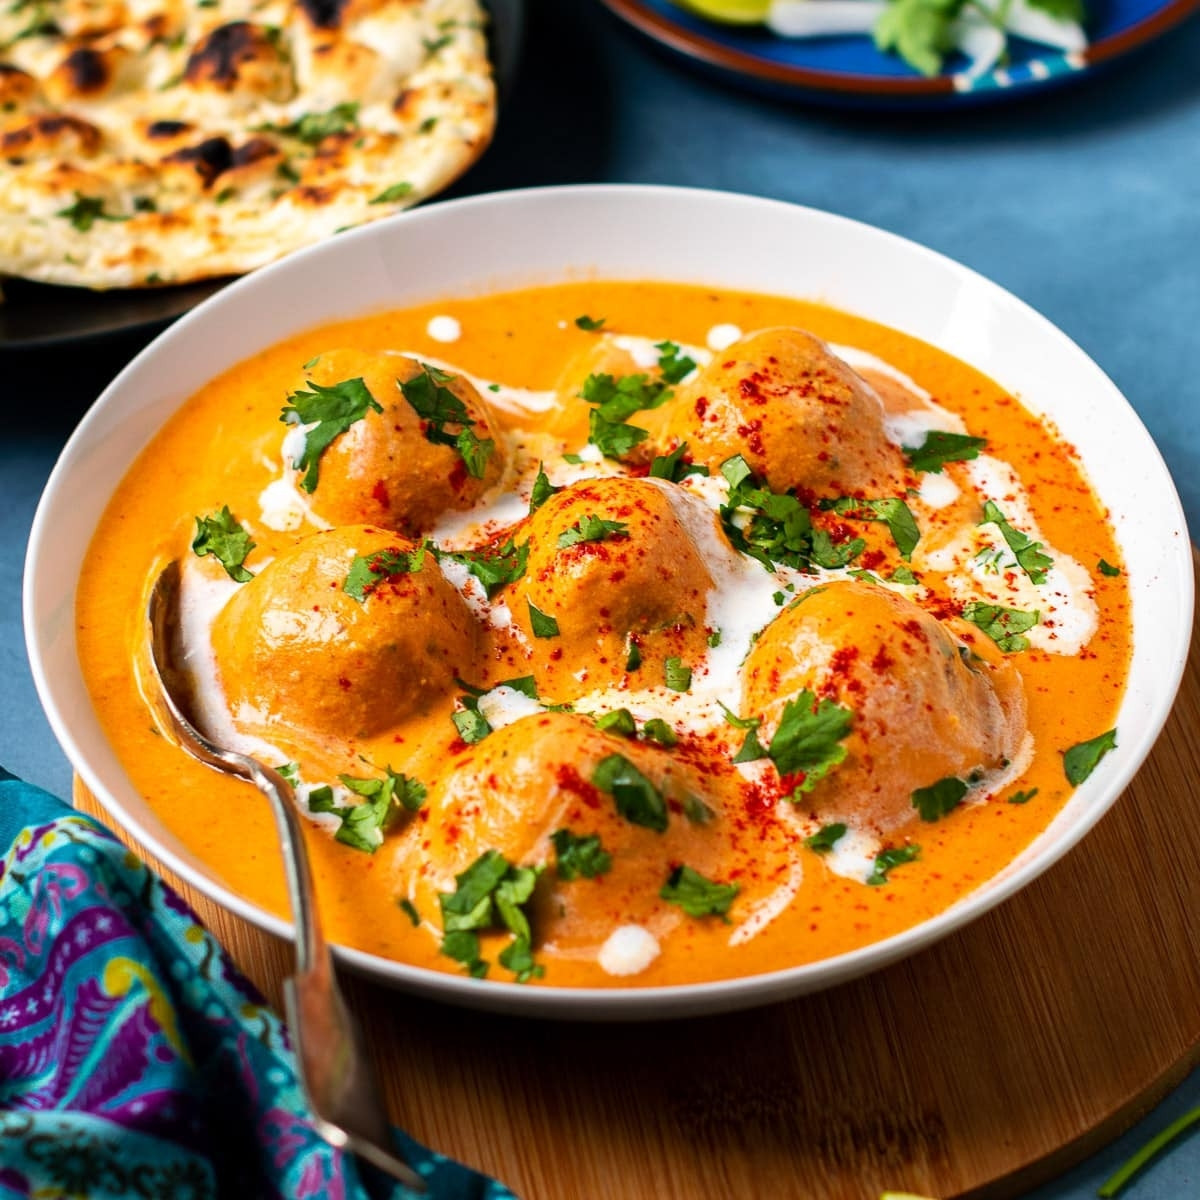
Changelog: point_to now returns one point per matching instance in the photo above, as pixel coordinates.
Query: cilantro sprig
(1028, 553)
(331, 411)
(891, 511)
(615, 400)
(495, 565)
(939, 448)
(86, 211)
(1005, 626)
(313, 127)
(697, 895)
(363, 825)
(437, 406)
(888, 860)
(808, 741)
(636, 798)
(591, 528)
(579, 856)
(491, 894)
(672, 468)
(1082, 759)
(222, 535)
(826, 837)
(939, 799)
(368, 571)
(673, 365)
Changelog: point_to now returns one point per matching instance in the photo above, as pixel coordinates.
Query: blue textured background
(1084, 201)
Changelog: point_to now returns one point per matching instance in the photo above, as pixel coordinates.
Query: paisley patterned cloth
(135, 1060)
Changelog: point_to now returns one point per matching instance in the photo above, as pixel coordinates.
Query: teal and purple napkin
(135, 1060)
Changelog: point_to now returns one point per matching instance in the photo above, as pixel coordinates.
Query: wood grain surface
(975, 1069)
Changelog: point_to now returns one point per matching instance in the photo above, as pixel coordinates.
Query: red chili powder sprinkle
(569, 779)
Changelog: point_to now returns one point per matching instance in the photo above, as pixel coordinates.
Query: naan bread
(158, 141)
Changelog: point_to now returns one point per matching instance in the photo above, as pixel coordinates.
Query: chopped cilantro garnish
(290, 771)
(696, 810)
(826, 838)
(779, 529)
(808, 740)
(331, 410)
(903, 575)
(490, 892)
(226, 540)
(590, 528)
(752, 748)
(493, 566)
(409, 909)
(678, 677)
(940, 447)
(939, 799)
(1005, 626)
(542, 624)
(636, 798)
(675, 367)
(86, 211)
(887, 860)
(543, 489)
(633, 659)
(672, 467)
(573, 459)
(619, 721)
(364, 824)
(714, 639)
(590, 324)
(696, 895)
(1106, 568)
(657, 730)
(471, 724)
(1081, 760)
(1028, 552)
(577, 856)
(893, 512)
(1023, 797)
(615, 400)
(827, 554)
(390, 195)
(311, 128)
(438, 406)
(368, 571)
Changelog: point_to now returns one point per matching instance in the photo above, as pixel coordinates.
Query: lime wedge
(732, 12)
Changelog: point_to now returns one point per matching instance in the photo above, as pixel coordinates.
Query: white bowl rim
(631, 1003)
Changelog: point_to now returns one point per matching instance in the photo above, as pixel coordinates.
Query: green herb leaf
(1023, 797)
(636, 798)
(86, 211)
(311, 128)
(808, 739)
(517, 957)
(1028, 552)
(290, 771)
(893, 512)
(463, 947)
(367, 572)
(590, 528)
(471, 724)
(633, 659)
(1081, 760)
(542, 624)
(832, 557)
(617, 399)
(226, 540)
(903, 575)
(825, 838)
(752, 749)
(675, 367)
(613, 439)
(672, 467)
(939, 799)
(438, 406)
(494, 566)
(714, 639)
(619, 721)
(543, 489)
(331, 410)
(1106, 568)
(577, 856)
(920, 31)
(678, 677)
(1062, 10)
(1005, 626)
(590, 324)
(409, 909)
(657, 730)
(696, 895)
(364, 825)
(390, 195)
(888, 860)
(940, 447)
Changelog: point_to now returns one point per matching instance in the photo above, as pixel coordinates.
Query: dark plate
(849, 70)
(39, 317)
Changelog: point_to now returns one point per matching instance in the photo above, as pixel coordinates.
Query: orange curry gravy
(354, 686)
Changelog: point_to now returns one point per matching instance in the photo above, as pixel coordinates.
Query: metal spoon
(336, 1074)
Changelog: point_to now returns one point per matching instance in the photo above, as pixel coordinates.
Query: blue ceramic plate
(850, 70)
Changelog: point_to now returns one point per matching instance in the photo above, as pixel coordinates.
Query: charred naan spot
(253, 151)
(85, 70)
(54, 130)
(210, 158)
(405, 102)
(217, 58)
(324, 14)
(166, 129)
(315, 196)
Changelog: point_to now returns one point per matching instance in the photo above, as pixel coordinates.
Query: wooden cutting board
(977, 1068)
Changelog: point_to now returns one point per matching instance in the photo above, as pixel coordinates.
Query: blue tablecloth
(1084, 201)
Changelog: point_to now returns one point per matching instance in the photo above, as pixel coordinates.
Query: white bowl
(542, 236)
